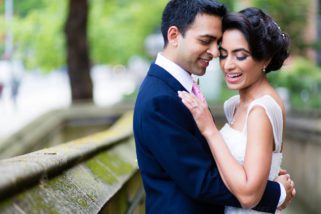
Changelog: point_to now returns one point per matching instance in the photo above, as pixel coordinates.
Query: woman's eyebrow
(236, 50)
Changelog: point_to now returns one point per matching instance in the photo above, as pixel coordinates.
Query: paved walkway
(37, 94)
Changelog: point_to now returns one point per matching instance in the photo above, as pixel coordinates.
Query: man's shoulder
(153, 87)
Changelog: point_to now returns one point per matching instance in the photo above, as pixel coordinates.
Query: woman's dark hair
(265, 37)
(182, 13)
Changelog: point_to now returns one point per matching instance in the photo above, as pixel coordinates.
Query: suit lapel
(158, 72)
(167, 78)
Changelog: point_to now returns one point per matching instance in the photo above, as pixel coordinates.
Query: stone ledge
(85, 188)
(36, 165)
(46, 123)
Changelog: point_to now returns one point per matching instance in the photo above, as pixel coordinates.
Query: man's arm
(270, 198)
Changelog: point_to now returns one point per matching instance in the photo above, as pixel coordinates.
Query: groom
(175, 162)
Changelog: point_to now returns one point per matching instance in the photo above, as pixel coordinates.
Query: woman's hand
(200, 112)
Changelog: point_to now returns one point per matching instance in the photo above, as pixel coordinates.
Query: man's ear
(173, 35)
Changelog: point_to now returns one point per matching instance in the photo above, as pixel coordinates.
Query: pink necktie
(197, 92)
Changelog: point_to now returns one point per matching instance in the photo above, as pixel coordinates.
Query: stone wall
(302, 159)
(88, 175)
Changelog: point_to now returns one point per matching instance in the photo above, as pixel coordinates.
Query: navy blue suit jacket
(178, 171)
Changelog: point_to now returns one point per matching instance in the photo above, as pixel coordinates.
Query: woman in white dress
(248, 149)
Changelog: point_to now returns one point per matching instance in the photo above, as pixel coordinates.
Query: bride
(248, 149)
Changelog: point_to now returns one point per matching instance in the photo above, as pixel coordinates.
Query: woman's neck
(254, 91)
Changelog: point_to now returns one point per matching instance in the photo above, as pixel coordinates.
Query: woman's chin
(233, 87)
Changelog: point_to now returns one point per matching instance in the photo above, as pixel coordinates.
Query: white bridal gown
(236, 140)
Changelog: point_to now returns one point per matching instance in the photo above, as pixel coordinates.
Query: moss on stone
(78, 189)
(30, 201)
(63, 186)
(107, 166)
(5, 205)
(115, 163)
(101, 172)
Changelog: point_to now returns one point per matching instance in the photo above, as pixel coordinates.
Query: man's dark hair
(182, 13)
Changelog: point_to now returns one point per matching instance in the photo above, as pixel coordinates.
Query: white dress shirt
(182, 76)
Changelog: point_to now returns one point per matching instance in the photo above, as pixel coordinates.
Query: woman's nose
(229, 63)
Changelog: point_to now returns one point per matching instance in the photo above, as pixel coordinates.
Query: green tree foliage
(39, 38)
(302, 78)
(230, 4)
(23, 7)
(291, 16)
(116, 30)
(2, 34)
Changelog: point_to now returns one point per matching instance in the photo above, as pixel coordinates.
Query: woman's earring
(263, 70)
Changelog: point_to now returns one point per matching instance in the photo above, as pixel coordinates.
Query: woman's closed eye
(242, 54)
(223, 54)
(238, 57)
(241, 57)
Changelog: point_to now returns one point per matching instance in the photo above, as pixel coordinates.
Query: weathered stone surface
(86, 174)
(302, 159)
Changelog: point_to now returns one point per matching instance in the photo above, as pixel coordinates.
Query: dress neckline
(234, 129)
(238, 102)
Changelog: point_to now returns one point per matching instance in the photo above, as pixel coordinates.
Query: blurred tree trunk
(78, 62)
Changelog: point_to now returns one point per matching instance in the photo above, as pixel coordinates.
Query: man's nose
(213, 50)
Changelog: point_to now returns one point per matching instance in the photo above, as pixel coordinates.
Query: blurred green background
(122, 38)
(117, 31)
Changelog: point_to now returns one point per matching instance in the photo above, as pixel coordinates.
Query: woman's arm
(247, 182)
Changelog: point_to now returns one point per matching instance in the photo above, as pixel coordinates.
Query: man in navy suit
(175, 162)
